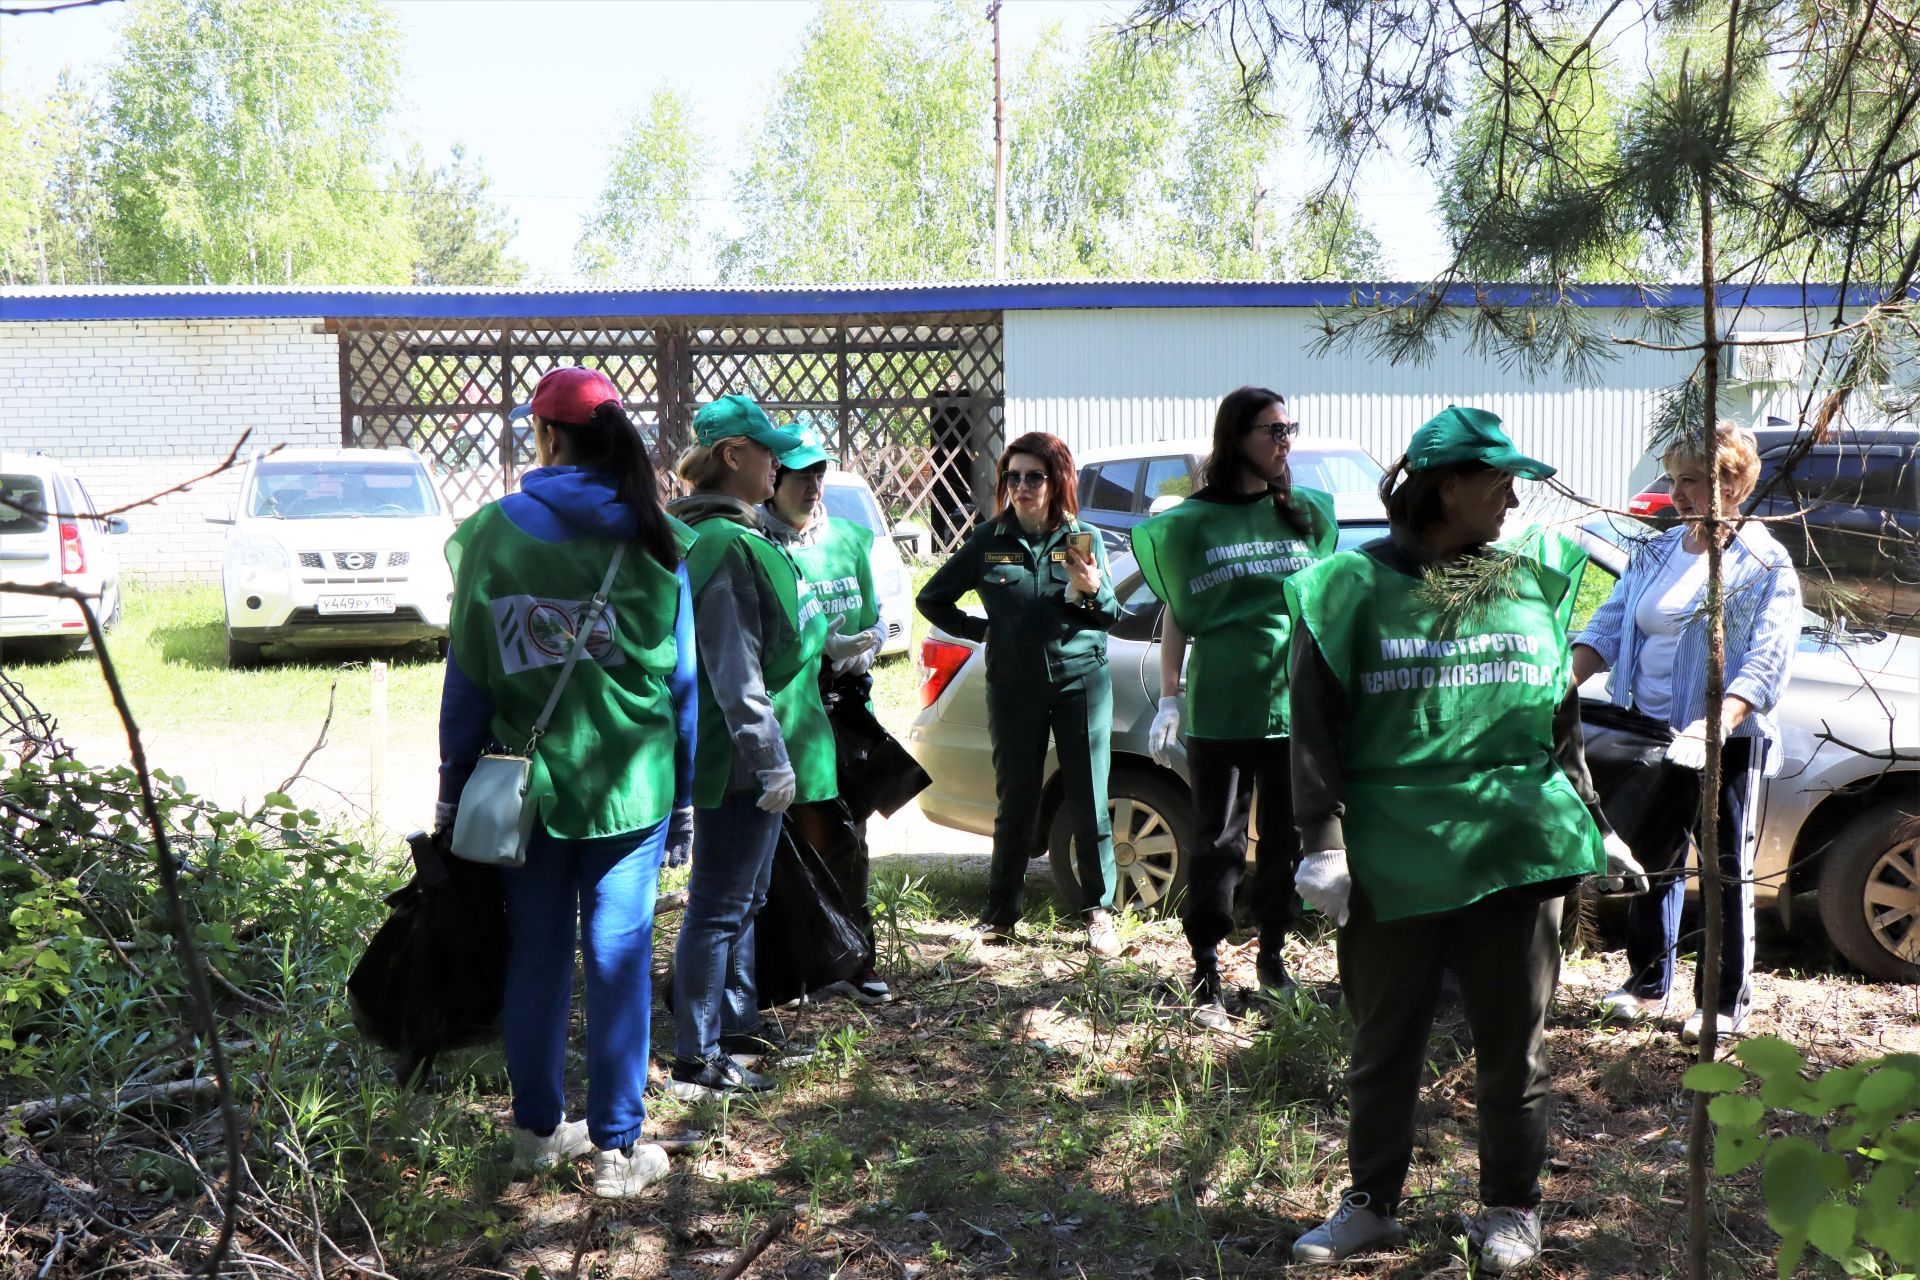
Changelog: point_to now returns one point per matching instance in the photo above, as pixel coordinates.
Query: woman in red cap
(611, 799)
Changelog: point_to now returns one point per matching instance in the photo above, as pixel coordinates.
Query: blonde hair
(702, 466)
(1735, 460)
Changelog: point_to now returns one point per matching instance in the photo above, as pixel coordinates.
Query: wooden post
(377, 746)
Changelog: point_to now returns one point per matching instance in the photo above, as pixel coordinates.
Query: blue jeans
(600, 892)
(713, 982)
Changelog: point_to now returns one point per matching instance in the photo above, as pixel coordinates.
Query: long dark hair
(1412, 498)
(1063, 486)
(1232, 422)
(611, 444)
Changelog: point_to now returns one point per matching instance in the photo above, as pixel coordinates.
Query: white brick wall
(137, 406)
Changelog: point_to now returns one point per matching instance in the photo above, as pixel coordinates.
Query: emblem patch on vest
(535, 631)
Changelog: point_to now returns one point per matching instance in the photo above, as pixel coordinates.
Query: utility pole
(999, 152)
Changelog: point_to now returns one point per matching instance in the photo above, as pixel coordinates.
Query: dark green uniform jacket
(1032, 632)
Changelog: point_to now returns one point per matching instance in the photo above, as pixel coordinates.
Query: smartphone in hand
(1081, 542)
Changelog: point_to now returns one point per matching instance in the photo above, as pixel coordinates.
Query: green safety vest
(840, 568)
(1220, 569)
(601, 768)
(790, 671)
(1452, 790)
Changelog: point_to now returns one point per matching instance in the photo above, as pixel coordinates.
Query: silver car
(1839, 818)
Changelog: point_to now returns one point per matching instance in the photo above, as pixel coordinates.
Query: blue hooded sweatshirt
(561, 504)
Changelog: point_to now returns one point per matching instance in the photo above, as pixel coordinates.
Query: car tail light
(940, 661)
(1650, 503)
(73, 556)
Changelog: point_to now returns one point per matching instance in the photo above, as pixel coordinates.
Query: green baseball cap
(808, 453)
(737, 415)
(1470, 435)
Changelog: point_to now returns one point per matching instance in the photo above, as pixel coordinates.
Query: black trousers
(1506, 950)
(1224, 775)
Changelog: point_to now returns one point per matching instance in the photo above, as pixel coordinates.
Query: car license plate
(355, 604)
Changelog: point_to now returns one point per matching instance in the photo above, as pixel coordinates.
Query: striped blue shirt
(1763, 632)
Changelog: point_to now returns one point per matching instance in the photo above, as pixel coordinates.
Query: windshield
(1347, 472)
(852, 502)
(322, 490)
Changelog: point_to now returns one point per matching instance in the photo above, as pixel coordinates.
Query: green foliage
(279, 905)
(642, 230)
(460, 234)
(244, 141)
(1854, 1195)
(51, 203)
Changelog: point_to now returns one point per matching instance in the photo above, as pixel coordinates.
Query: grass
(170, 652)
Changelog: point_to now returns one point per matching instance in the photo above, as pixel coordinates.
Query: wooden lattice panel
(914, 404)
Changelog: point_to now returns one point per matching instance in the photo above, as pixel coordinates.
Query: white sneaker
(1353, 1228)
(1623, 1006)
(1508, 1238)
(1733, 1022)
(619, 1173)
(568, 1139)
(1101, 939)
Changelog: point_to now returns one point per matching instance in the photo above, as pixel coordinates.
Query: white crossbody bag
(495, 822)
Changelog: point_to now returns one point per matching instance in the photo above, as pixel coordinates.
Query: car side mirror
(1165, 502)
(220, 515)
(908, 535)
(114, 524)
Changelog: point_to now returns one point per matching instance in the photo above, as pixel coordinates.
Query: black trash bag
(805, 938)
(877, 774)
(1652, 804)
(434, 974)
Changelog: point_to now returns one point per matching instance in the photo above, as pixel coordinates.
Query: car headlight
(262, 555)
(890, 580)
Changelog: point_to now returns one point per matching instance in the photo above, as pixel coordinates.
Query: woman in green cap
(1440, 784)
(835, 557)
(764, 741)
(1042, 576)
(1218, 560)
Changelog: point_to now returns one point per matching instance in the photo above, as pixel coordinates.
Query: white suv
(51, 532)
(335, 547)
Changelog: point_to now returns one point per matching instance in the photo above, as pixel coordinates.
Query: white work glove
(1165, 731)
(1689, 748)
(845, 652)
(679, 838)
(1624, 872)
(777, 787)
(1324, 883)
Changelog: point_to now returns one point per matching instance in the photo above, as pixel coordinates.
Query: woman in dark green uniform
(1440, 783)
(1042, 576)
(1218, 561)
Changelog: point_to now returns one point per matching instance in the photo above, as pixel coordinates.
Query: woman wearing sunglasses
(1042, 576)
(1219, 561)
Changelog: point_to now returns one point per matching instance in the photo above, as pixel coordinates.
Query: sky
(539, 90)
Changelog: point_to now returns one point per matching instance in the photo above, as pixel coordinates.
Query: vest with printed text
(790, 669)
(604, 766)
(840, 569)
(1220, 569)
(1452, 790)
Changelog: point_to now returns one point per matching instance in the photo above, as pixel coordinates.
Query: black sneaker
(713, 1078)
(1209, 1009)
(767, 1042)
(992, 935)
(1272, 971)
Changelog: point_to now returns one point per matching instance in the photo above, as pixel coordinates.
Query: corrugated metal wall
(1112, 377)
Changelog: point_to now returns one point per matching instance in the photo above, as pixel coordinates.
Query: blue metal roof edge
(221, 303)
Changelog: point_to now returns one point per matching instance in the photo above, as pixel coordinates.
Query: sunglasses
(1279, 432)
(1026, 479)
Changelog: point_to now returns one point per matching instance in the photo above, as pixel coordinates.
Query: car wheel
(242, 655)
(1870, 894)
(1152, 832)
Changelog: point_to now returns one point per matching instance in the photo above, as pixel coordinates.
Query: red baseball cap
(569, 395)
